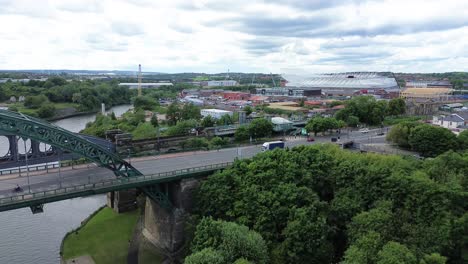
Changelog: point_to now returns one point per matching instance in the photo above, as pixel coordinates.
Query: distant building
(146, 85)
(215, 113)
(289, 92)
(455, 122)
(236, 96)
(438, 94)
(428, 84)
(281, 124)
(219, 83)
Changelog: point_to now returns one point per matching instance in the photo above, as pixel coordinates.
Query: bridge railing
(110, 183)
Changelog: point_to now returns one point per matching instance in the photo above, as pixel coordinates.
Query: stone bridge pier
(166, 228)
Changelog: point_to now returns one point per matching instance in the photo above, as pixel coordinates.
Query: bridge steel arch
(13, 123)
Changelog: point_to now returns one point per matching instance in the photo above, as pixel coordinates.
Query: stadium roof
(349, 80)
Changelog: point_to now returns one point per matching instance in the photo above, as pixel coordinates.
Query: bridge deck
(31, 199)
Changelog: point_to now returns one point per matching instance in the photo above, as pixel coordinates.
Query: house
(236, 96)
(455, 122)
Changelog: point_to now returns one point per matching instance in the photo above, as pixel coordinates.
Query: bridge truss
(26, 127)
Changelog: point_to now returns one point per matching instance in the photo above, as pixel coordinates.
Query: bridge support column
(122, 201)
(166, 228)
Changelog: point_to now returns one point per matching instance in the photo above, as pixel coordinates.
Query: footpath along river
(28, 238)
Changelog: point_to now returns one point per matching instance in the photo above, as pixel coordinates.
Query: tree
(145, 103)
(225, 120)
(217, 141)
(154, 120)
(396, 106)
(76, 98)
(431, 141)
(35, 101)
(364, 249)
(248, 110)
(400, 133)
(173, 113)
(182, 128)
(46, 111)
(352, 121)
(463, 140)
(113, 117)
(260, 127)
(208, 121)
(144, 130)
(190, 111)
(205, 256)
(395, 253)
(233, 241)
(434, 258)
(242, 133)
(316, 125)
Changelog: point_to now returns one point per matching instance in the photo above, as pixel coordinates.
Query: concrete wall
(164, 228)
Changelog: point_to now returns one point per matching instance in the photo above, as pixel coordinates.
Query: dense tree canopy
(319, 204)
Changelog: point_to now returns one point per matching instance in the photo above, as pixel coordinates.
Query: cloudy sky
(277, 36)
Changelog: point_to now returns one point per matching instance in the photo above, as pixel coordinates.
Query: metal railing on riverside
(111, 183)
(52, 165)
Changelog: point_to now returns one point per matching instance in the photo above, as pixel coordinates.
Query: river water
(28, 238)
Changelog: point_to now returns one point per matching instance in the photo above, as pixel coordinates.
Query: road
(43, 181)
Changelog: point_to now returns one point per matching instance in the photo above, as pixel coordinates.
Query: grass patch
(105, 237)
(390, 121)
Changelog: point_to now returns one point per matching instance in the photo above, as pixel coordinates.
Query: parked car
(380, 133)
(364, 130)
(310, 139)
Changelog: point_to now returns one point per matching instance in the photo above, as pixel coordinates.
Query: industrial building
(425, 94)
(146, 85)
(219, 83)
(215, 113)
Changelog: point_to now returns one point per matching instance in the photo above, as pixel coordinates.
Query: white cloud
(216, 35)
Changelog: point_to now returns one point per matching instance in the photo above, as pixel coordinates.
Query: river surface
(27, 238)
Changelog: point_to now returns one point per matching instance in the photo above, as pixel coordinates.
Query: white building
(221, 83)
(215, 113)
(455, 122)
(146, 85)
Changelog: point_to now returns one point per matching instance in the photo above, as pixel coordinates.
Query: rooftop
(351, 80)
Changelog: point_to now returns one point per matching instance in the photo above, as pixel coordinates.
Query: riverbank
(104, 236)
(108, 237)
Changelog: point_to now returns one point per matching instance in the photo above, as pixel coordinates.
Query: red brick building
(236, 96)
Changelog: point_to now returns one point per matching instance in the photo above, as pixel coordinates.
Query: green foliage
(144, 130)
(13, 108)
(396, 106)
(400, 133)
(319, 204)
(260, 127)
(463, 140)
(225, 120)
(46, 111)
(181, 128)
(154, 120)
(352, 121)
(431, 141)
(231, 240)
(242, 133)
(145, 103)
(395, 253)
(195, 143)
(248, 110)
(434, 258)
(35, 101)
(321, 124)
(364, 249)
(205, 256)
(366, 108)
(175, 112)
(208, 121)
(217, 141)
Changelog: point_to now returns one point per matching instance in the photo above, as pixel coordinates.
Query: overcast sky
(240, 35)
